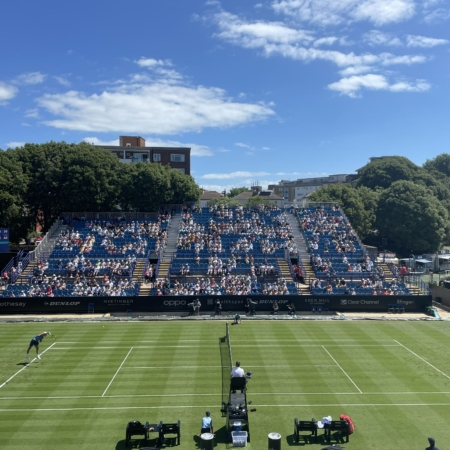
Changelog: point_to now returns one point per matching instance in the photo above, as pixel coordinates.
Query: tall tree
(183, 188)
(381, 173)
(358, 204)
(412, 219)
(146, 186)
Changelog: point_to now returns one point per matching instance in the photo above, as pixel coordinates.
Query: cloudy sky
(260, 90)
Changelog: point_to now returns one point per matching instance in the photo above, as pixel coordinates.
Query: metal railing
(34, 255)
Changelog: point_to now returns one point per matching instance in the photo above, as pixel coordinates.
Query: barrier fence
(230, 304)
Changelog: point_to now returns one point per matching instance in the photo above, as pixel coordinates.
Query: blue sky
(261, 90)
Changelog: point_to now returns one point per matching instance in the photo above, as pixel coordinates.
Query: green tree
(359, 205)
(13, 187)
(381, 173)
(256, 200)
(145, 187)
(68, 177)
(225, 201)
(236, 191)
(440, 164)
(183, 188)
(412, 219)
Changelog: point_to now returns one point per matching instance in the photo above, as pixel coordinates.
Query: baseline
(76, 397)
(302, 405)
(24, 367)
(345, 373)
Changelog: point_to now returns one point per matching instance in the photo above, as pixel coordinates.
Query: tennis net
(226, 362)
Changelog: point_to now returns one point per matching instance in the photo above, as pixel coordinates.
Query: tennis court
(392, 378)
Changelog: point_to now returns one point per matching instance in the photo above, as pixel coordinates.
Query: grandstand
(262, 251)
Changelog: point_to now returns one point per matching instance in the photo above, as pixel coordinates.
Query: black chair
(169, 428)
(238, 383)
(135, 428)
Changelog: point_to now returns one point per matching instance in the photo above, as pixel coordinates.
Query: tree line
(394, 198)
(40, 181)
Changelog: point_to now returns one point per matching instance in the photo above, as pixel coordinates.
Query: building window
(129, 155)
(176, 157)
(181, 170)
(156, 157)
(128, 144)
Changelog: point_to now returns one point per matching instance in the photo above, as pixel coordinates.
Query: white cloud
(7, 92)
(352, 85)
(330, 40)
(227, 176)
(154, 107)
(62, 81)
(275, 38)
(97, 141)
(30, 78)
(333, 12)
(34, 113)
(376, 37)
(257, 34)
(240, 144)
(266, 148)
(423, 41)
(14, 144)
(438, 15)
(196, 149)
(355, 70)
(150, 62)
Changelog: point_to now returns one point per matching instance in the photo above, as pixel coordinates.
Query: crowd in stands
(363, 287)
(227, 285)
(57, 286)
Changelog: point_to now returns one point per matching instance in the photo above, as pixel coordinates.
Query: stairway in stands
(415, 290)
(171, 245)
(303, 254)
(44, 252)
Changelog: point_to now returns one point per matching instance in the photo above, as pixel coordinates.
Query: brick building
(133, 149)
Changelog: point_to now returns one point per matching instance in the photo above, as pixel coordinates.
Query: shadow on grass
(220, 437)
(22, 364)
(306, 439)
(138, 444)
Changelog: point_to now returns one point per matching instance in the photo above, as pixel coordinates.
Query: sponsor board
(229, 303)
(345, 301)
(13, 304)
(61, 303)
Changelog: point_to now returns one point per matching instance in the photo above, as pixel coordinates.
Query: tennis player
(35, 343)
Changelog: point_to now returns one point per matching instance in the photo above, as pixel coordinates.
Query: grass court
(392, 378)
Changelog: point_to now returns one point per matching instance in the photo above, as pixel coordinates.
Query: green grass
(392, 378)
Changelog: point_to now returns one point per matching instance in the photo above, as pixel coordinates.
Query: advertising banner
(230, 304)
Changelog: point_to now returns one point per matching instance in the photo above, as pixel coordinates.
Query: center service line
(354, 384)
(426, 362)
(24, 367)
(117, 372)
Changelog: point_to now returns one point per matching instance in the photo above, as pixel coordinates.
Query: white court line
(345, 373)
(220, 367)
(24, 367)
(214, 346)
(117, 372)
(272, 405)
(317, 341)
(426, 362)
(78, 397)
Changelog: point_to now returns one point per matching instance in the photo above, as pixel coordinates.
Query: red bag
(351, 425)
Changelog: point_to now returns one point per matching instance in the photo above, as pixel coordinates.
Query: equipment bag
(351, 425)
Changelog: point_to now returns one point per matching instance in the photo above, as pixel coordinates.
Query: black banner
(230, 304)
